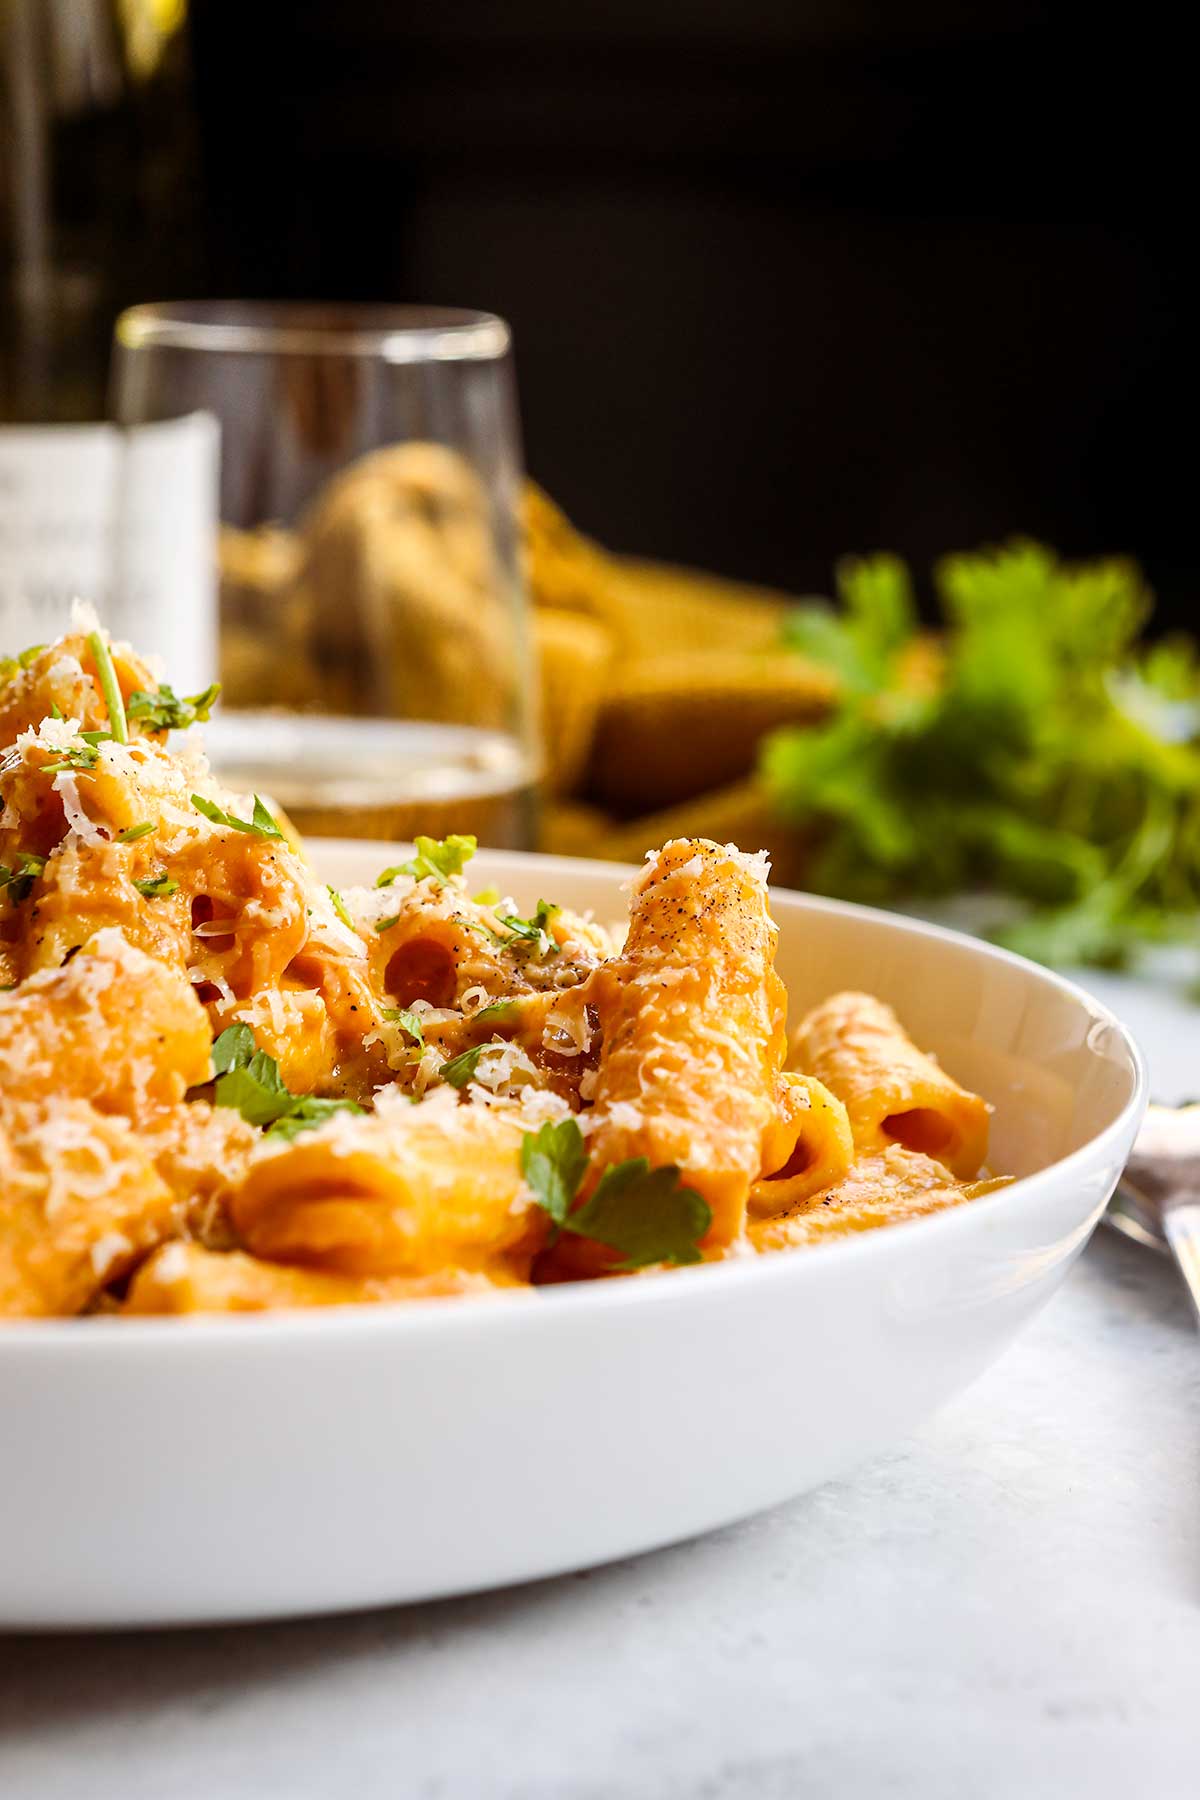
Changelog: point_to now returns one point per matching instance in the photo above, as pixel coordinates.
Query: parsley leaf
(533, 930)
(307, 1114)
(260, 824)
(157, 887)
(18, 881)
(553, 1161)
(256, 1091)
(233, 1048)
(437, 859)
(407, 1020)
(499, 1012)
(877, 619)
(249, 1081)
(77, 756)
(164, 710)
(646, 1215)
(459, 1070)
(109, 685)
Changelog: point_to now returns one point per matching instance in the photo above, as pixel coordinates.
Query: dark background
(786, 280)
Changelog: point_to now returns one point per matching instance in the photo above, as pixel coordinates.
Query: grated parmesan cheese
(51, 734)
(171, 1263)
(755, 863)
(504, 1068)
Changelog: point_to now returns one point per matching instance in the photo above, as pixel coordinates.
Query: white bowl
(167, 1471)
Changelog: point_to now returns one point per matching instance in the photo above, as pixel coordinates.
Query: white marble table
(1006, 1604)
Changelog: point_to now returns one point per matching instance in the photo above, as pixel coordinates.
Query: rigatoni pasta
(225, 1087)
(80, 1203)
(692, 1036)
(414, 1190)
(184, 1278)
(893, 1093)
(878, 1190)
(807, 1147)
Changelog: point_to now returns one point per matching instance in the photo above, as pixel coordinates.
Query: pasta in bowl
(431, 1350)
(230, 1086)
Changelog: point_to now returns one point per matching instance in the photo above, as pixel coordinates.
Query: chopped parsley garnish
(13, 665)
(553, 1162)
(437, 859)
(132, 833)
(386, 924)
(646, 1215)
(156, 887)
(533, 930)
(499, 1012)
(256, 1090)
(307, 1114)
(233, 1049)
(407, 1020)
(460, 1069)
(76, 756)
(164, 710)
(19, 881)
(248, 1080)
(339, 907)
(260, 824)
(109, 686)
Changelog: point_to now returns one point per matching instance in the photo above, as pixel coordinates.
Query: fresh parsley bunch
(1035, 747)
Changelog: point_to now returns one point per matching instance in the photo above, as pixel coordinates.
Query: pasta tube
(884, 1189)
(424, 1188)
(80, 1202)
(60, 680)
(113, 1026)
(201, 1152)
(692, 1022)
(892, 1092)
(185, 1278)
(807, 1147)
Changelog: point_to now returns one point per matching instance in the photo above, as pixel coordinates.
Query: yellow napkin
(656, 684)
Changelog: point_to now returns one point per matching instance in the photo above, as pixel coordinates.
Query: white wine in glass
(374, 639)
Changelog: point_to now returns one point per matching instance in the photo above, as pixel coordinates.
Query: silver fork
(1157, 1201)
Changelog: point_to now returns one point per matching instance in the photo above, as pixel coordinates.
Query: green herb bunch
(1038, 748)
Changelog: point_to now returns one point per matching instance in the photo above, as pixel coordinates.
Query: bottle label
(124, 518)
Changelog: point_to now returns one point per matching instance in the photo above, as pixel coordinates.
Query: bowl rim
(653, 1288)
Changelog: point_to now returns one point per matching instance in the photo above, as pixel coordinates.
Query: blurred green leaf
(1054, 757)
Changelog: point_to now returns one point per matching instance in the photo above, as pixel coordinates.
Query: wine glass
(373, 631)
